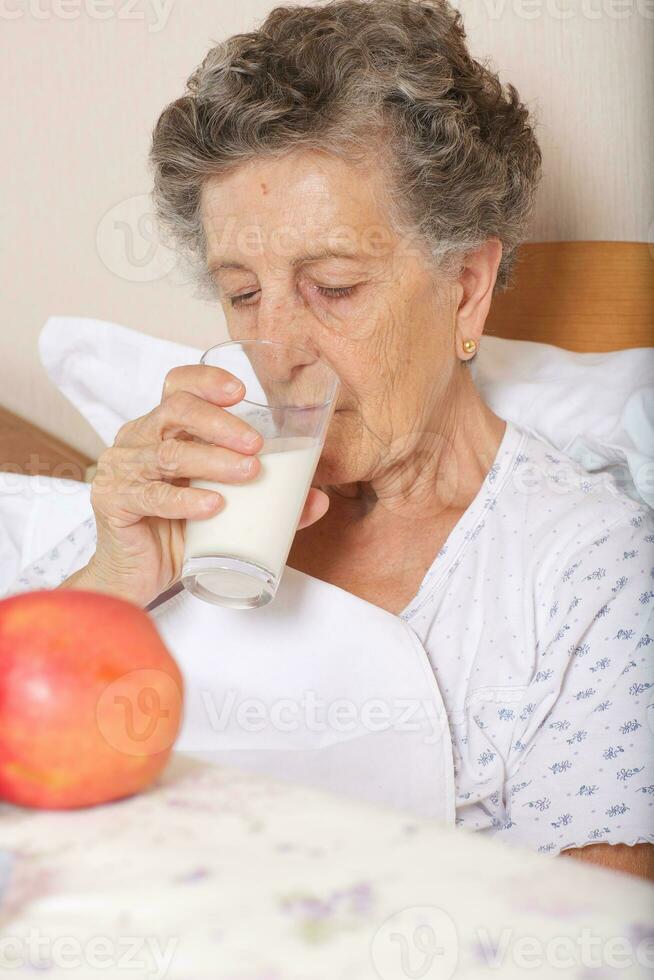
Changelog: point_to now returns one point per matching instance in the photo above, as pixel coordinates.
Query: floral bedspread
(216, 874)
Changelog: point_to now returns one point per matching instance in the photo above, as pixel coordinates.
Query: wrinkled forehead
(294, 207)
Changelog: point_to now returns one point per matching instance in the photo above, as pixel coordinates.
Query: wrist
(78, 580)
(92, 578)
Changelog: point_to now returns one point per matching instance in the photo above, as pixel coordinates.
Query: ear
(475, 287)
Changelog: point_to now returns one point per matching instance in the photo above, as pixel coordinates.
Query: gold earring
(470, 346)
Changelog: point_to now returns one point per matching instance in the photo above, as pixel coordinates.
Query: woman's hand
(140, 494)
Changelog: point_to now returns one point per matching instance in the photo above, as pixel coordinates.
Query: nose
(281, 320)
(283, 363)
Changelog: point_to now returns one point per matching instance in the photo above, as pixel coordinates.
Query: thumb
(315, 507)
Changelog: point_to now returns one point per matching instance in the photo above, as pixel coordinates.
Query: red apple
(90, 699)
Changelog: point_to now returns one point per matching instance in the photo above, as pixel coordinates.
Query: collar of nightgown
(319, 687)
(471, 523)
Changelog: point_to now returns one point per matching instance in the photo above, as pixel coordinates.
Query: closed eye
(335, 292)
(240, 300)
(332, 292)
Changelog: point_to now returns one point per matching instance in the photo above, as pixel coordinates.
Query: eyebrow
(299, 260)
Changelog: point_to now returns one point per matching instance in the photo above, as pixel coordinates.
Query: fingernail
(232, 387)
(247, 465)
(250, 441)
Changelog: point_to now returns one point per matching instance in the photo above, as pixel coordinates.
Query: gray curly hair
(391, 79)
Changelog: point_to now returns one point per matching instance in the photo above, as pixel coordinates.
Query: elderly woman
(351, 181)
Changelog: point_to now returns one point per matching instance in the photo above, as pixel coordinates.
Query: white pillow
(598, 408)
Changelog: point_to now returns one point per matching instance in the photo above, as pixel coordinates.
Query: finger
(315, 507)
(173, 459)
(157, 499)
(211, 383)
(184, 412)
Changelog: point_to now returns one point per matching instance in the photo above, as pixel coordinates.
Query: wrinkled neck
(441, 467)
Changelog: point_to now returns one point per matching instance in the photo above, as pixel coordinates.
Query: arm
(582, 781)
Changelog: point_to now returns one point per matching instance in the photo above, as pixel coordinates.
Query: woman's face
(371, 309)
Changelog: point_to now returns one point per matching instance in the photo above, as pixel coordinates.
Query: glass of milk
(236, 558)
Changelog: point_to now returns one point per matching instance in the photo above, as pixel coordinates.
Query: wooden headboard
(584, 296)
(24, 448)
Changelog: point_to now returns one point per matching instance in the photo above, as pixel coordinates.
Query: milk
(258, 519)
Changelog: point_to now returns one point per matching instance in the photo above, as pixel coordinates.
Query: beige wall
(84, 80)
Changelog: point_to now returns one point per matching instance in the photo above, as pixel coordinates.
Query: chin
(335, 465)
(328, 472)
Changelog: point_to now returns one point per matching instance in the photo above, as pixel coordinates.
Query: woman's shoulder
(565, 508)
(541, 471)
(582, 547)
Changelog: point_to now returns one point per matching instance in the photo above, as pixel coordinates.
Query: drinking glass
(236, 558)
